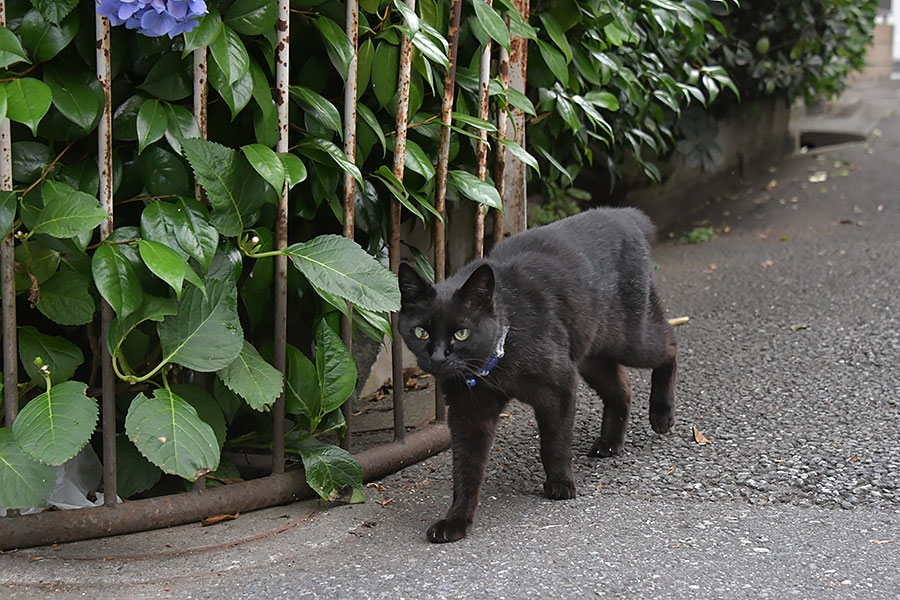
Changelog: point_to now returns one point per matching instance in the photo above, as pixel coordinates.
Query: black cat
(573, 297)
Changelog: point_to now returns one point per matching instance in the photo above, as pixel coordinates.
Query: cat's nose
(439, 354)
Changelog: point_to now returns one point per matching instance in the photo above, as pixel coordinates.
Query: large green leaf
(230, 55)
(54, 10)
(229, 183)
(59, 354)
(475, 189)
(208, 28)
(67, 212)
(158, 224)
(302, 393)
(335, 367)
(169, 433)
(27, 101)
(318, 107)
(162, 172)
(294, 169)
(338, 265)
(385, 69)
(54, 426)
(43, 39)
(556, 33)
(170, 78)
(252, 17)
(66, 299)
(265, 162)
(338, 46)
(7, 211)
(206, 333)
(134, 473)
(193, 231)
(11, 50)
(24, 482)
(153, 309)
(116, 280)
(74, 97)
(164, 262)
(329, 468)
(252, 378)
(236, 95)
(182, 125)
(318, 148)
(152, 123)
(492, 22)
(206, 406)
(555, 61)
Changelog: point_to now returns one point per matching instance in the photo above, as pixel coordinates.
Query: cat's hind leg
(555, 413)
(662, 357)
(610, 381)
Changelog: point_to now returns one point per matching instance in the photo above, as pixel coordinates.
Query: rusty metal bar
(484, 81)
(201, 97)
(7, 278)
(440, 195)
(282, 64)
(352, 30)
(500, 164)
(177, 509)
(105, 192)
(514, 199)
(394, 226)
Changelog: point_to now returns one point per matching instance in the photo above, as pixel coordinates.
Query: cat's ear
(477, 293)
(413, 289)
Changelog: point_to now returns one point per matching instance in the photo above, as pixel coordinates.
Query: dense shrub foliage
(190, 282)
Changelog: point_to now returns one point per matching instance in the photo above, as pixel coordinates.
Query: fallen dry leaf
(818, 177)
(767, 263)
(384, 502)
(679, 321)
(699, 437)
(218, 519)
(772, 184)
(799, 326)
(882, 541)
(377, 486)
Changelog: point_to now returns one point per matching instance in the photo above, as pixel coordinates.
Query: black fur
(576, 296)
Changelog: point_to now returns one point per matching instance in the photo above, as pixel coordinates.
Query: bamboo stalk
(352, 30)
(282, 64)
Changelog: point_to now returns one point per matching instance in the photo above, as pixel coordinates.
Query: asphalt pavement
(788, 368)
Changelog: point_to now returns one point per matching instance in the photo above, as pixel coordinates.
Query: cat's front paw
(559, 489)
(662, 421)
(447, 530)
(605, 448)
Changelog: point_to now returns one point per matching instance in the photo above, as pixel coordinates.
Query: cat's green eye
(462, 335)
(420, 333)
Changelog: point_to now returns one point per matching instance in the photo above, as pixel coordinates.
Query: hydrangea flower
(154, 18)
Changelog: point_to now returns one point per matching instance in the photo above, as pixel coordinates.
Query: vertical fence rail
(484, 82)
(282, 64)
(394, 227)
(105, 168)
(440, 198)
(500, 165)
(514, 200)
(352, 30)
(201, 96)
(7, 278)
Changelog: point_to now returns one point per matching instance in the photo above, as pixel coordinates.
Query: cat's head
(452, 329)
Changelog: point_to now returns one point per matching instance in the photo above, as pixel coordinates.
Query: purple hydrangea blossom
(154, 18)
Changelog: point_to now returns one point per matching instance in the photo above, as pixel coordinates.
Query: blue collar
(495, 358)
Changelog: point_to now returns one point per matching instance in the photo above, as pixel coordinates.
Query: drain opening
(819, 139)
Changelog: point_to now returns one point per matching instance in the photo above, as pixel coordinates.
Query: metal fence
(279, 487)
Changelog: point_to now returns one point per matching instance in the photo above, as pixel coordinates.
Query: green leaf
(397, 189)
(316, 147)
(265, 162)
(252, 17)
(339, 266)
(11, 51)
(66, 299)
(230, 55)
(556, 33)
(252, 378)
(492, 22)
(417, 161)
(59, 354)
(169, 433)
(206, 333)
(555, 61)
(231, 184)
(153, 309)
(24, 482)
(475, 122)
(208, 28)
(43, 39)
(236, 95)
(116, 280)
(8, 199)
(134, 473)
(151, 123)
(319, 108)
(181, 126)
(54, 10)
(603, 100)
(364, 66)
(67, 212)
(475, 189)
(335, 367)
(27, 101)
(522, 154)
(3, 103)
(337, 45)
(162, 172)
(385, 70)
(371, 120)
(302, 395)
(194, 233)
(206, 406)
(170, 78)
(329, 468)
(164, 262)
(54, 426)
(294, 168)
(158, 224)
(74, 97)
